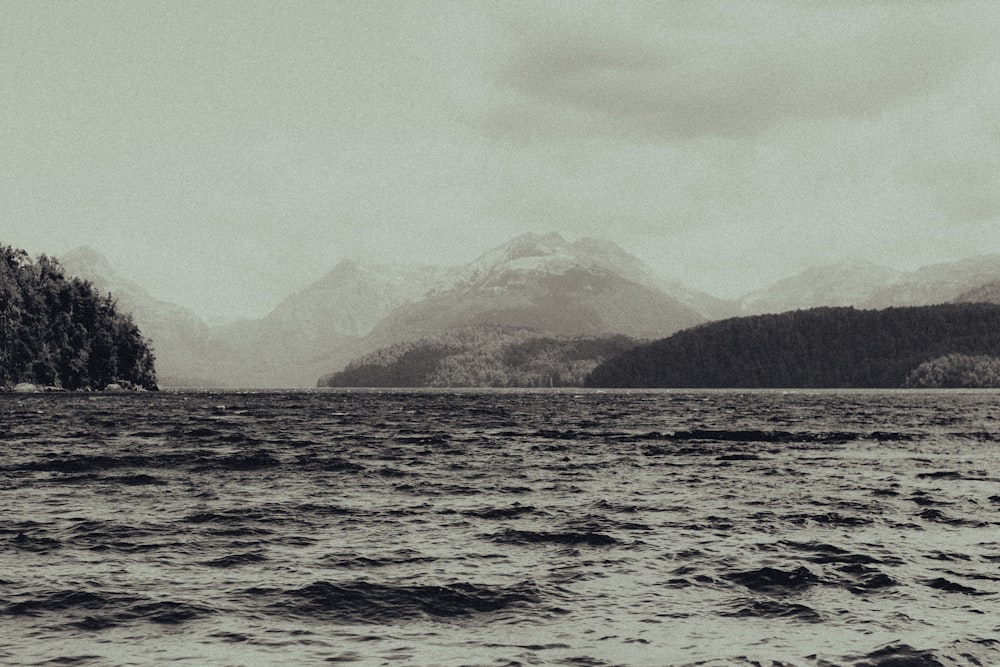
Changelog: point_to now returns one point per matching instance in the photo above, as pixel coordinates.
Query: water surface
(500, 528)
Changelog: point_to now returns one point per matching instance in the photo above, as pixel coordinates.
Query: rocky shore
(30, 388)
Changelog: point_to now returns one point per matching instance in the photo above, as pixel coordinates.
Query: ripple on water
(362, 601)
(711, 528)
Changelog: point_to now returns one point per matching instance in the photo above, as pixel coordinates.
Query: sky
(225, 154)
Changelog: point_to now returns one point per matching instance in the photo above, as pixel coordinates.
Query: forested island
(59, 333)
(482, 356)
(949, 345)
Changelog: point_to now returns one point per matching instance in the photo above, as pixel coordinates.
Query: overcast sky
(224, 154)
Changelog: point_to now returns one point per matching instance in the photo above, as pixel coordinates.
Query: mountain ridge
(536, 281)
(864, 284)
(546, 283)
(850, 282)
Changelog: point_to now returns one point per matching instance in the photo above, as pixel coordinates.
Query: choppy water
(485, 528)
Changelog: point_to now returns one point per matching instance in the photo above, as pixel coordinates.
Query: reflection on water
(501, 528)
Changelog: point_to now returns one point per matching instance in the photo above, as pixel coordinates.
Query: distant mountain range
(851, 283)
(866, 285)
(987, 293)
(542, 283)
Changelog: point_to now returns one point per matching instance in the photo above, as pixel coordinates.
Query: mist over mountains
(540, 283)
(866, 285)
(183, 344)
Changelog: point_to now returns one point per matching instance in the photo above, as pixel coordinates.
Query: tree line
(821, 347)
(956, 371)
(59, 332)
(482, 356)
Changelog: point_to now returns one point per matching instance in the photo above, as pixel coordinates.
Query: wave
(942, 584)
(243, 461)
(773, 609)
(63, 600)
(402, 557)
(361, 601)
(769, 579)
(827, 519)
(568, 538)
(782, 437)
(513, 512)
(937, 516)
(971, 651)
(117, 609)
(234, 560)
(165, 612)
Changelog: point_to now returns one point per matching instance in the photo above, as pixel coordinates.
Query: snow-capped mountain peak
(552, 254)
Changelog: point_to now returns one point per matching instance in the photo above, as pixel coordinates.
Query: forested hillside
(956, 370)
(482, 357)
(823, 347)
(59, 332)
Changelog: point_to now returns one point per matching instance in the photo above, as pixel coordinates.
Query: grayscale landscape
(464, 333)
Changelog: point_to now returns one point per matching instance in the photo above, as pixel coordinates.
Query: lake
(501, 528)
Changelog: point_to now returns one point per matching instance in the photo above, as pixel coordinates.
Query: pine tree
(60, 332)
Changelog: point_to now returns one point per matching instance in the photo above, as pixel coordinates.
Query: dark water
(670, 528)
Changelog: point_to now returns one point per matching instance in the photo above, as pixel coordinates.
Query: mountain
(184, 348)
(863, 284)
(541, 282)
(322, 326)
(938, 283)
(544, 283)
(708, 306)
(849, 283)
(987, 293)
(822, 347)
(351, 299)
(613, 258)
(482, 357)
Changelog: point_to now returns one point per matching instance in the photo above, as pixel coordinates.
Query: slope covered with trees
(956, 370)
(58, 331)
(822, 347)
(482, 357)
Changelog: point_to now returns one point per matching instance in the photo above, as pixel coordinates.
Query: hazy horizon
(224, 155)
(224, 318)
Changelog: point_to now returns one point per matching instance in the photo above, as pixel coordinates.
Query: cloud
(952, 147)
(729, 70)
(967, 191)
